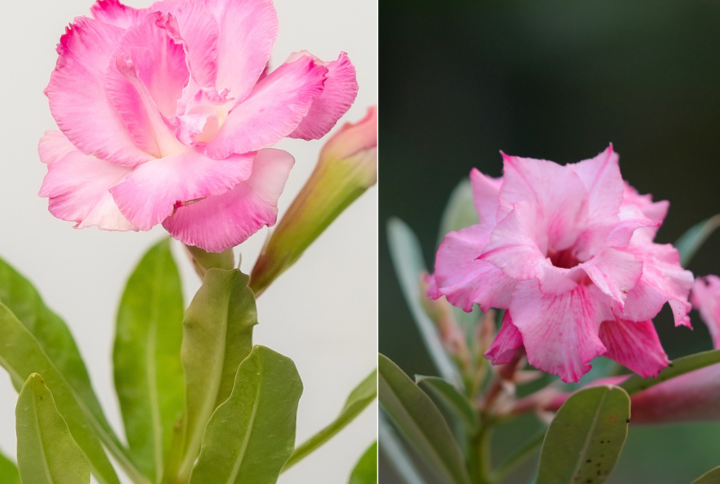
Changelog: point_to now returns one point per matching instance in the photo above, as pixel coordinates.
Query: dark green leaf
(409, 265)
(8, 471)
(148, 372)
(217, 336)
(710, 477)
(586, 437)
(365, 471)
(454, 401)
(250, 436)
(47, 452)
(422, 424)
(689, 242)
(359, 399)
(393, 449)
(677, 367)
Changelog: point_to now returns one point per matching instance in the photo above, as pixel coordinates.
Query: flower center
(565, 259)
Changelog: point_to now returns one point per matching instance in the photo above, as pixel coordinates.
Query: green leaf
(460, 211)
(409, 265)
(365, 471)
(394, 450)
(689, 242)
(21, 355)
(47, 452)
(54, 341)
(677, 367)
(250, 436)
(217, 337)
(586, 437)
(148, 372)
(202, 260)
(422, 424)
(456, 402)
(361, 396)
(710, 477)
(8, 471)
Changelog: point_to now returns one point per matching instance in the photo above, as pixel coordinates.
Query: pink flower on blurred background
(166, 114)
(569, 252)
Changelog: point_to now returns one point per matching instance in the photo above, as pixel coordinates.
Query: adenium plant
(167, 115)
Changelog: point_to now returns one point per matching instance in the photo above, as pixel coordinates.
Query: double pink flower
(166, 114)
(568, 251)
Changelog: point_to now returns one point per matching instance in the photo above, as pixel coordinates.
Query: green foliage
(392, 447)
(586, 437)
(217, 337)
(677, 367)
(710, 477)
(47, 452)
(690, 242)
(148, 372)
(420, 421)
(365, 472)
(250, 436)
(460, 210)
(454, 401)
(8, 471)
(361, 396)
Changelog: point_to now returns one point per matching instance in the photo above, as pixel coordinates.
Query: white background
(322, 313)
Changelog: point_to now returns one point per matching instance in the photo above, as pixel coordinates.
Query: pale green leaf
(422, 424)
(710, 477)
(409, 265)
(8, 471)
(148, 372)
(393, 449)
(689, 242)
(454, 401)
(586, 437)
(365, 472)
(460, 211)
(217, 336)
(47, 452)
(202, 260)
(677, 367)
(250, 436)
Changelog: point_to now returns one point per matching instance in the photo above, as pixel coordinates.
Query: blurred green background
(559, 80)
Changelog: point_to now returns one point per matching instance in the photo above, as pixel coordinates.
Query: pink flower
(569, 252)
(166, 114)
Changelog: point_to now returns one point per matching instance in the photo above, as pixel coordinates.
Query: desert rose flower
(569, 252)
(166, 113)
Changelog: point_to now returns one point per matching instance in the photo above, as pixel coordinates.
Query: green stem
(479, 462)
(517, 458)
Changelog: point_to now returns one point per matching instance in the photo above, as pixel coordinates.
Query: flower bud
(346, 169)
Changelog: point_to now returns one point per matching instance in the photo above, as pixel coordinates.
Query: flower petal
(614, 272)
(153, 191)
(506, 343)
(220, 222)
(274, 109)
(635, 345)
(78, 100)
(54, 146)
(114, 13)
(486, 194)
(338, 94)
(705, 298)
(604, 184)
(560, 333)
(78, 188)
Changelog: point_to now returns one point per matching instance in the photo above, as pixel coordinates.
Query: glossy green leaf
(8, 471)
(422, 424)
(361, 396)
(250, 436)
(456, 402)
(21, 355)
(148, 372)
(52, 336)
(689, 242)
(677, 367)
(365, 472)
(586, 437)
(217, 336)
(47, 452)
(394, 451)
(409, 265)
(710, 477)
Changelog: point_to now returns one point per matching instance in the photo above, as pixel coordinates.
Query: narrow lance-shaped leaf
(250, 436)
(690, 242)
(456, 402)
(710, 477)
(358, 400)
(408, 262)
(8, 471)
(148, 372)
(393, 449)
(422, 424)
(586, 437)
(365, 471)
(217, 336)
(47, 452)
(21, 355)
(677, 367)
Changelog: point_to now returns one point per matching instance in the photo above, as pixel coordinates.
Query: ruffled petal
(220, 222)
(154, 190)
(604, 184)
(635, 345)
(77, 95)
(506, 343)
(338, 94)
(54, 146)
(247, 30)
(560, 333)
(614, 272)
(114, 13)
(274, 109)
(78, 188)
(486, 196)
(705, 298)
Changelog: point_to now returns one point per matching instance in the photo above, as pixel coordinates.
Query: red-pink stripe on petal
(112, 12)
